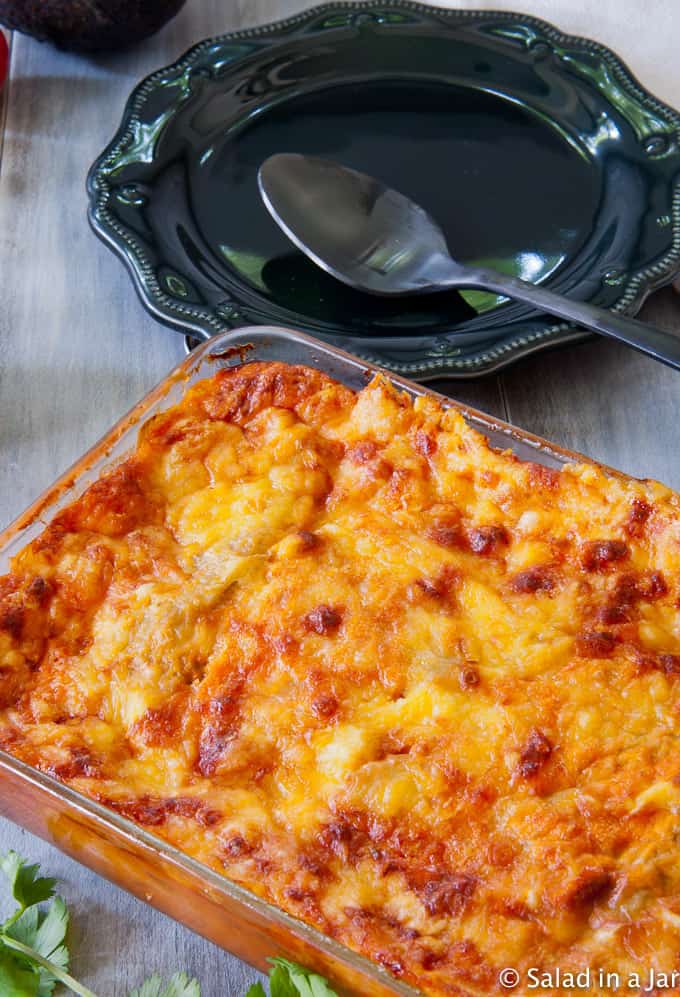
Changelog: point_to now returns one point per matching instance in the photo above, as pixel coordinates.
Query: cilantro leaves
(33, 953)
(15, 979)
(34, 957)
(287, 979)
(178, 985)
(27, 887)
(44, 933)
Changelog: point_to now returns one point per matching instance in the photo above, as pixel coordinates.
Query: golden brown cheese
(414, 691)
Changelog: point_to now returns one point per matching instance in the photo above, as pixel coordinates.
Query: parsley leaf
(27, 887)
(44, 933)
(33, 953)
(287, 979)
(34, 956)
(178, 985)
(256, 990)
(280, 982)
(16, 979)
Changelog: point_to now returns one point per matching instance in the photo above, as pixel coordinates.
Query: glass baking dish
(141, 863)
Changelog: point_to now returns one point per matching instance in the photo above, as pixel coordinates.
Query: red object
(4, 58)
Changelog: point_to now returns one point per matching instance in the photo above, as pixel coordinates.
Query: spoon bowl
(365, 234)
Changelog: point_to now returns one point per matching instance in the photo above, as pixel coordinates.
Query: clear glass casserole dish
(113, 846)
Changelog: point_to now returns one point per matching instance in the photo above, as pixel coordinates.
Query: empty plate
(538, 154)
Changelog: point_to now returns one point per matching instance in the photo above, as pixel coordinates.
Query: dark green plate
(538, 153)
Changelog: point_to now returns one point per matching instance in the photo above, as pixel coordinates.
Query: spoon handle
(663, 346)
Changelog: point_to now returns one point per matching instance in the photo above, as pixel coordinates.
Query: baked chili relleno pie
(416, 692)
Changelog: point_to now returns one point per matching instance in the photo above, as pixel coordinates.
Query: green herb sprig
(34, 957)
(287, 979)
(33, 952)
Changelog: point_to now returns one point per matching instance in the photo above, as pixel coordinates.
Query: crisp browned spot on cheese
(308, 540)
(487, 539)
(159, 725)
(535, 753)
(542, 476)
(589, 886)
(651, 586)
(469, 677)
(78, 762)
(323, 619)
(595, 644)
(640, 512)
(112, 506)
(441, 585)
(414, 691)
(151, 811)
(325, 705)
(629, 590)
(219, 730)
(598, 555)
(538, 579)
(670, 663)
(236, 846)
(444, 894)
(12, 620)
(445, 534)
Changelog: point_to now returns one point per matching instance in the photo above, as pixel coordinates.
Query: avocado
(88, 25)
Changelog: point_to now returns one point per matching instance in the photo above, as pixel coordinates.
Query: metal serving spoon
(377, 240)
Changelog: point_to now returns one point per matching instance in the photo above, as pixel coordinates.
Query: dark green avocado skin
(88, 25)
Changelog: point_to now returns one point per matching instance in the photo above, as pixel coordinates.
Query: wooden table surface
(77, 349)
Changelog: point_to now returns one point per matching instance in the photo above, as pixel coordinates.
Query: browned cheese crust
(416, 692)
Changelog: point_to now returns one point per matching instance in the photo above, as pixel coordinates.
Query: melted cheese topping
(412, 690)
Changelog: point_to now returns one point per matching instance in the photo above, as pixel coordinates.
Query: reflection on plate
(536, 152)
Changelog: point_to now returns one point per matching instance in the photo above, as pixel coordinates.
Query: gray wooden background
(77, 349)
